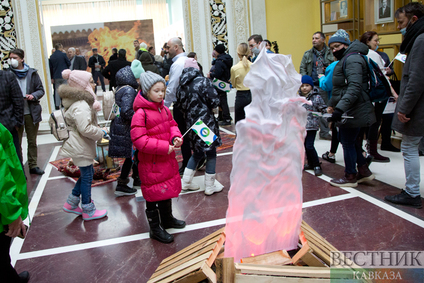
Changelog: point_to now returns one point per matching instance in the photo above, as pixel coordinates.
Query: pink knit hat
(81, 80)
(191, 62)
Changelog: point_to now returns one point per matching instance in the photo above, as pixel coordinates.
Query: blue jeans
(311, 153)
(210, 163)
(411, 163)
(352, 152)
(83, 185)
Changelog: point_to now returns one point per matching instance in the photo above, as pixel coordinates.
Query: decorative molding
(29, 39)
(8, 32)
(218, 22)
(241, 20)
(209, 47)
(187, 25)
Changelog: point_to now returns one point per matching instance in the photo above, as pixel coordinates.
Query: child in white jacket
(80, 105)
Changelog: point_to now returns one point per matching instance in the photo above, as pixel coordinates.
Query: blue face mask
(376, 48)
(403, 31)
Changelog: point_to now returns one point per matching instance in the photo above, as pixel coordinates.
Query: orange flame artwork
(105, 39)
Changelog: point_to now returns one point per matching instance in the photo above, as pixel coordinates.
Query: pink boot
(72, 205)
(89, 212)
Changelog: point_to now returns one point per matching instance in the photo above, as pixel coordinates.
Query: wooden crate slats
(173, 264)
(225, 270)
(191, 264)
(216, 250)
(274, 258)
(197, 245)
(294, 271)
(182, 269)
(242, 278)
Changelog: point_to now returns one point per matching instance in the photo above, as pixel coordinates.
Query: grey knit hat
(148, 79)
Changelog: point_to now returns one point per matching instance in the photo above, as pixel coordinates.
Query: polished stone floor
(61, 247)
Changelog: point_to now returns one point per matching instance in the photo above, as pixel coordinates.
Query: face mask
(255, 51)
(376, 48)
(403, 31)
(339, 53)
(14, 63)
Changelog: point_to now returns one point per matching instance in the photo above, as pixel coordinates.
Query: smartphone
(21, 234)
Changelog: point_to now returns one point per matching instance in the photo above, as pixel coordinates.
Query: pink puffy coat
(152, 131)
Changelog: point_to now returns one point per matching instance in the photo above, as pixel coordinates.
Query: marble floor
(61, 247)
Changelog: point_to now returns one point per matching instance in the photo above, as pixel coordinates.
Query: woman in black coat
(120, 144)
(197, 97)
(350, 97)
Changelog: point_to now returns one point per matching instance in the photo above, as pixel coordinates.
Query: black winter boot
(168, 220)
(122, 189)
(373, 151)
(157, 232)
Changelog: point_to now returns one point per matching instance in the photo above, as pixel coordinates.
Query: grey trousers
(57, 99)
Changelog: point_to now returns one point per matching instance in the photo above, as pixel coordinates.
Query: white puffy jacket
(81, 119)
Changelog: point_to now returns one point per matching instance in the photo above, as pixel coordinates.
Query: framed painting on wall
(343, 8)
(384, 11)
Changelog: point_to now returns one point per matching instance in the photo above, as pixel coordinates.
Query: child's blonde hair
(243, 51)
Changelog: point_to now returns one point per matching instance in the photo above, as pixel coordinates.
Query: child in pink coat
(155, 134)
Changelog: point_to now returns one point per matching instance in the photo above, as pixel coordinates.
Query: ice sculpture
(265, 198)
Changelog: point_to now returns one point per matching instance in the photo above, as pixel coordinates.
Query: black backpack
(378, 85)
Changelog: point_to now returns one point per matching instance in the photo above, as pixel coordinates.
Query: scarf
(411, 34)
(320, 58)
(21, 73)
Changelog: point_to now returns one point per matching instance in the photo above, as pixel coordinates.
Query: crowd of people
(335, 80)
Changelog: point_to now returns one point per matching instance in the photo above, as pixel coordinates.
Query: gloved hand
(337, 116)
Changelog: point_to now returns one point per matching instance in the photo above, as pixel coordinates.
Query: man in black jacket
(223, 64)
(77, 62)
(32, 91)
(58, 62)
(114, 55)
(97, 64)
(114, 66)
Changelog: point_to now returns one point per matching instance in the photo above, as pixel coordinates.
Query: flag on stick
(203, 131)
(401, 57)
(221, 85)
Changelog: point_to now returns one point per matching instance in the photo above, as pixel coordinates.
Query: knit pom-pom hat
(81, 80)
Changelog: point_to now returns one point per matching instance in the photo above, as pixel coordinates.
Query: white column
(258, 17)
(31, 39)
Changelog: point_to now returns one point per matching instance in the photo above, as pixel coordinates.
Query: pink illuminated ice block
(265, 199)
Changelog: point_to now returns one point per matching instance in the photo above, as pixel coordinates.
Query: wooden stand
(193, 264)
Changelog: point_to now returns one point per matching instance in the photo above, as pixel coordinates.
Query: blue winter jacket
(326, 82)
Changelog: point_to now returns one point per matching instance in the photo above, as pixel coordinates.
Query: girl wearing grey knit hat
(156, 135)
